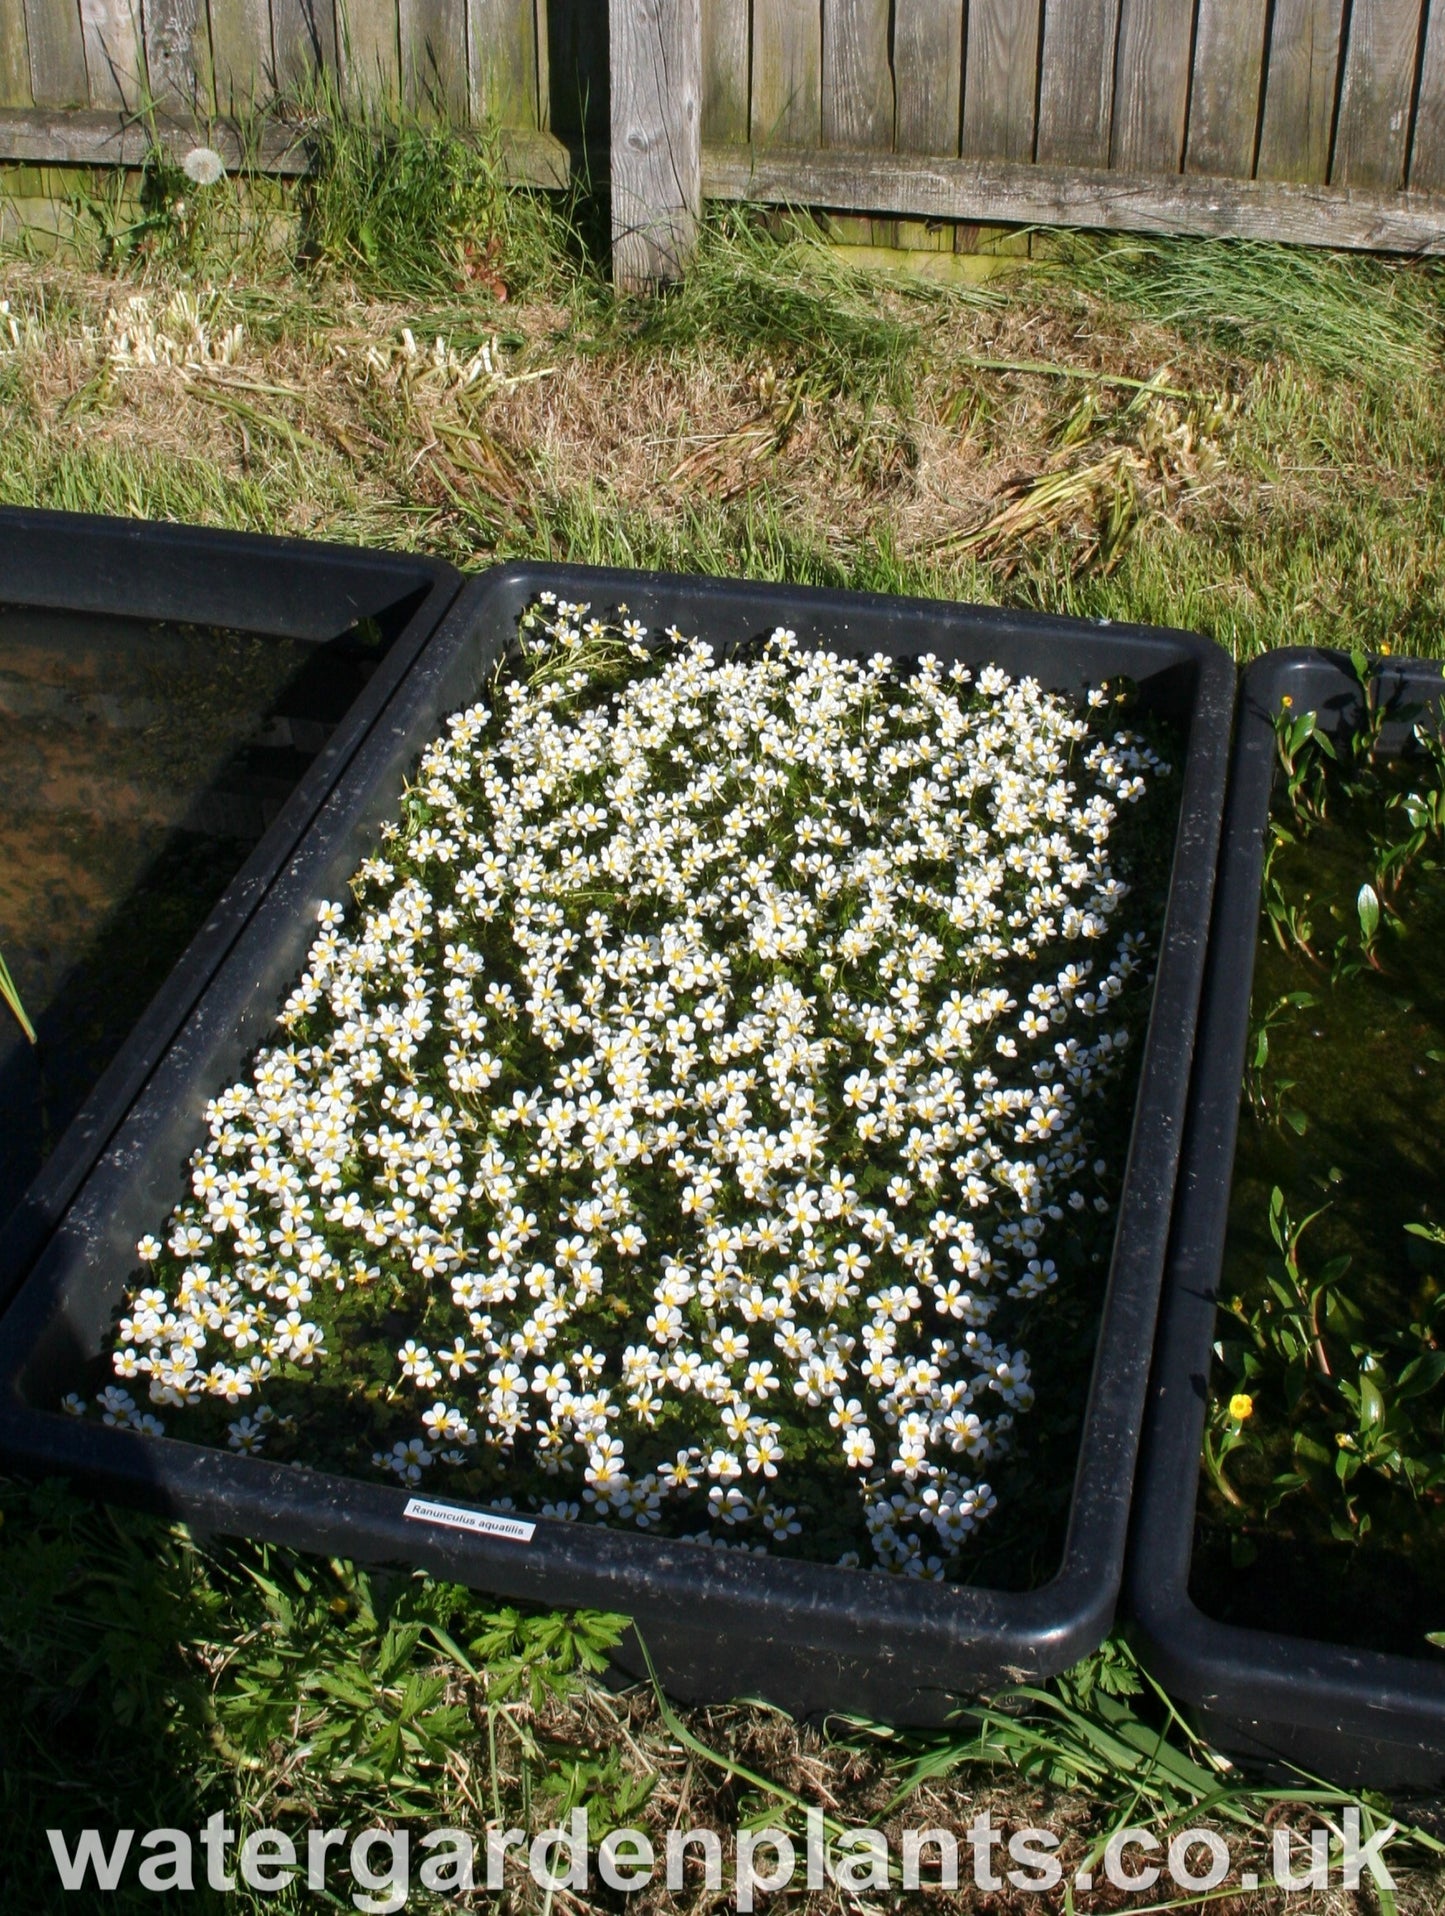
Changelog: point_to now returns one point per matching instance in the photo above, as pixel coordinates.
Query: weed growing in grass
(412, 207)
(157, 1682)
(1107, 1732)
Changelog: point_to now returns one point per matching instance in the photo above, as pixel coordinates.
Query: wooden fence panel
(1300, 83)
(112, 52)
(1151, 86)
(857, 95)
(368, 48)
(656, 107)
(928, 75)
(241, 53)
(1076, 82)
(57, 53)
(725, 70)
(1224, 97)
(857, 103)
(1372, 137)
(1000, 80)
(1151, 114)
(502, 55)
(14, 57)
(787, 76)
(434, 77)
(178, 55)
(1427, 154)
(303, 39)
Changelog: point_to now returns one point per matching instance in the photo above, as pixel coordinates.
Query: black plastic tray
(185, 575)
(718, 1624)
(1354, 1715)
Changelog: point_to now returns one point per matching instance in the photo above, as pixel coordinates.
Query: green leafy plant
(1352, 1396)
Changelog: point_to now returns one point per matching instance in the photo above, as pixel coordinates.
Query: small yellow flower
(1241, 1406)
(339, 1606)
(1286, 700)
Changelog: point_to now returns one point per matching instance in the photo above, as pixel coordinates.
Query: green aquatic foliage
(1362, 1401)
(1401, 825)
(1326, 1425)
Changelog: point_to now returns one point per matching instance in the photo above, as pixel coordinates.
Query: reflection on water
(139, 766)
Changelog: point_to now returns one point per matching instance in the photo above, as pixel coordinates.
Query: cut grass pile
(1238, 439)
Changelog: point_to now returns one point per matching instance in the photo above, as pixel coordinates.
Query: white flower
(665, 1028)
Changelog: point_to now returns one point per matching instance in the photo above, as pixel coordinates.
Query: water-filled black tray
(1353, 1715)
(175, 704)
(718, 1623)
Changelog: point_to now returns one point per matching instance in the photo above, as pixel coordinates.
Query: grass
(1346, 315)
(1241, 439)
(405, 205)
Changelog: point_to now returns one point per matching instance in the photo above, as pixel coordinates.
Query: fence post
(655, 83)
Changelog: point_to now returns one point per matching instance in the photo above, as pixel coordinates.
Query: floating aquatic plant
(687, 1110)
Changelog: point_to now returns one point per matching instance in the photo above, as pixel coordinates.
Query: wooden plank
(57, 53)
(1151, 86)
(1076, 82)
(47, 136)
(502, 43)
(241, 53)
(1373, 131)
(1000, 80)
(725, 70)
(113, 64)
(303, 40)
(1301, 78)
(928, 75)
(1306, 215)
(14, 57)
(1224, 97)
(434, 76)
(656, 149)
(177, 53)
(1427, 153)
(369, 49)
(787, 73)
(857, 105)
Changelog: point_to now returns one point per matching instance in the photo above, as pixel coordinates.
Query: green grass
(405, 204)
(1294, 496)
(1343, 314)
(155, 1682)
(784, 296)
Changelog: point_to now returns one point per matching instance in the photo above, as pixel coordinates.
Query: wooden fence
(1314, 120)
